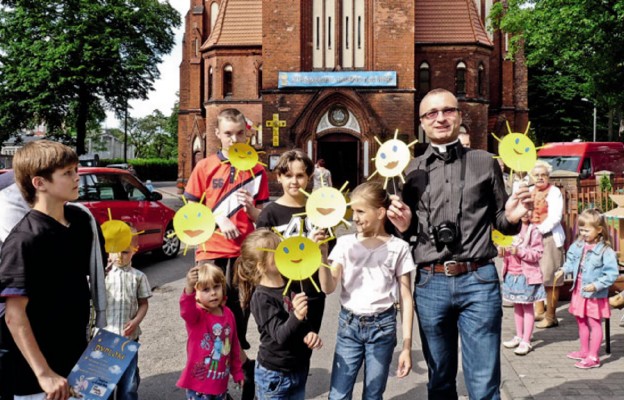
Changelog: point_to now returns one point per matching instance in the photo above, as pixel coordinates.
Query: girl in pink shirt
(522, 282)
(213, 350)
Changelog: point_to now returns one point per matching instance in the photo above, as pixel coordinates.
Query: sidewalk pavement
(544, 373)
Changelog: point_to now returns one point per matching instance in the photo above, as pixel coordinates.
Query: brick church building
(330, 76)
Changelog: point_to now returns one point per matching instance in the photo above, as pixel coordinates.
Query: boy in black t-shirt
(294, 169)
(44, 268)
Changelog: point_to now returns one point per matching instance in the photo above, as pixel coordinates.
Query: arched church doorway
(341, 153)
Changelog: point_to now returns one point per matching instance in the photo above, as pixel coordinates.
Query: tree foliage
(151, 136)
(63, 62)
(577, 47)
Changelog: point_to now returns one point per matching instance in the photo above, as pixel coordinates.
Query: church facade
(337, 77)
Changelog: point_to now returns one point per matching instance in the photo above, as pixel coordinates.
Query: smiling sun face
(298, 257)
(326, 207)
(517, 150)
(194, 223)
(243, 157)
(501, 240)
(392, 158)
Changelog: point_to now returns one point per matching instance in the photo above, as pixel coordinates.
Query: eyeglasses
(446, 112)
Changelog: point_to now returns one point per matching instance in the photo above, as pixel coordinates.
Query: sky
(163, 96)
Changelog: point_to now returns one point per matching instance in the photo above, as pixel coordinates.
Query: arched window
(214, 12)
(481, 80)
(460, 79)
(259, 81)
(424, 78)
(210, 77)
(228, 82)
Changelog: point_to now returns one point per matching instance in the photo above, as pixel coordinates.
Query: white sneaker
(523, 349)
(510, 344)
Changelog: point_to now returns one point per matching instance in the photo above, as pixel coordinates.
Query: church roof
(239, 23)
(449, 22)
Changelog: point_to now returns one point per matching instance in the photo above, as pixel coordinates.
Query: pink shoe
(577, 355)
(588, 363)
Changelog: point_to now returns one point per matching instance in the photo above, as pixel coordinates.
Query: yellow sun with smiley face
(243, 157)
(326, 207)
(392, 158)
(517, 151)
(298, 258)
(193, 224)
(500, 239)
(117, 234)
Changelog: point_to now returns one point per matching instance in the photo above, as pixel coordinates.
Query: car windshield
(566, 163)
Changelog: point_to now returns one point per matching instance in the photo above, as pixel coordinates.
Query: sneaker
(523, 349)
(510, 344)
(587, 363)
(576, 355)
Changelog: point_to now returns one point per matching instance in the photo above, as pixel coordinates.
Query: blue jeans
(468, 305)
(279, 384)
(128, 385)
(368, 339)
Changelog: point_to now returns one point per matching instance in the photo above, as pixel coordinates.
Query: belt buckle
(451, 263)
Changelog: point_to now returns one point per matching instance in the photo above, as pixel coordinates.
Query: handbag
(617, 301)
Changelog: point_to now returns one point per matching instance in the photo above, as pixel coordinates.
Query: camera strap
(462, 181)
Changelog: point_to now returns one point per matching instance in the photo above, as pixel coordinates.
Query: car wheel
(171, 243)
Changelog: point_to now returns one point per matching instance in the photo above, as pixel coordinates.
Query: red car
(129, 200)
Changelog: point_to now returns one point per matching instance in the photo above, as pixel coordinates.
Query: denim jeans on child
(368, 339)
(193, 395)
(468, 305)
(280, 385)
(128, 385)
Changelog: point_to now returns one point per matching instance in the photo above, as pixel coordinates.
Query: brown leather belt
(454, 268)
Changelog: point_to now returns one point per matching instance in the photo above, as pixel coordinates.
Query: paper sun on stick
(517, 151)
(501, 240)
(193, 223)
(117, 234)
(243, 157)
(326, 207)
(298, 258)
(392, 158)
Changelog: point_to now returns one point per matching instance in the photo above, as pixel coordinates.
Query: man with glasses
(451, 199)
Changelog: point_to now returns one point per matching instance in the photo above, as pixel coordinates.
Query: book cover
(101, 365)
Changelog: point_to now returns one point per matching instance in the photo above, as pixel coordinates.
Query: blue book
(106, 358)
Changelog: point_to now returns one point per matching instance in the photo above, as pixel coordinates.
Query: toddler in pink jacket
(523, 282)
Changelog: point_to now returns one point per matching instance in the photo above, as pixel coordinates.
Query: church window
(460, 79)
(338, 34)
(259, 81)
(424, 78)
(228, 83)
(210, 77)
(481, 80)
(214, 12)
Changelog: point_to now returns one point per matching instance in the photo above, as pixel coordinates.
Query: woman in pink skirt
(593, 264)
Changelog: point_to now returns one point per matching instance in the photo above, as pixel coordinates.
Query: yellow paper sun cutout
(298, 258)
(117, 234)
(392, 158)
(193, 223)
(500, 239)
(517, 151)
(326, 207)
(243, 157)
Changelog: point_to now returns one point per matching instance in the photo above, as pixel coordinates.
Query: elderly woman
(547, 213)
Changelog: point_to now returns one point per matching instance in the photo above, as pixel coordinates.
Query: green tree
(64, 62)
(578, 47)
(151, 136)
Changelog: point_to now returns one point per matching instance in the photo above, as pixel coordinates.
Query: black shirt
(431, 191)
(281, 217)
(281, 333)
(49, 263)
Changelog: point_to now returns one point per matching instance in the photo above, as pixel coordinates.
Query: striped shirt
(431, 191)
(124, 287)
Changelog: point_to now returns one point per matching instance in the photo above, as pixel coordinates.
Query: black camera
(444, 234)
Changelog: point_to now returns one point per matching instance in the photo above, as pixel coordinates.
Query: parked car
(129, 200)
(586, 158)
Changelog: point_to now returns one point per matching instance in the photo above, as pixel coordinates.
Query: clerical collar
(442, 148)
